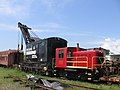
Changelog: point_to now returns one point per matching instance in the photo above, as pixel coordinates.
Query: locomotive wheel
(83, 77)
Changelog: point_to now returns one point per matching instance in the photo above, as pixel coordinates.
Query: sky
(92, 23)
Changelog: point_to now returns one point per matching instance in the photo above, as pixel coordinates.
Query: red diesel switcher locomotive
(79, 63)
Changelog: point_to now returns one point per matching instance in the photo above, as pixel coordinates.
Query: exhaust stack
(78, 47)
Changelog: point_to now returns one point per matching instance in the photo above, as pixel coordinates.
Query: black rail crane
(40, 53)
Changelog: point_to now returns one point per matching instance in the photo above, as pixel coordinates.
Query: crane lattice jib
(24, 29)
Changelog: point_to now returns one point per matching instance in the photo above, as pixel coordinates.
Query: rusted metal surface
(10, 57)
(111, 79)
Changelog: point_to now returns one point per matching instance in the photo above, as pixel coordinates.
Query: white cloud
(15, 7)
(6, 7)
(18, 10)
(49, 27)
(55, 5)
(43, 30)
(82, 33)
(23, 7)
(112, 44)
(10, 27)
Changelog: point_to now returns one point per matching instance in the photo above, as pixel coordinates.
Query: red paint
(78, 58)
(9, 57)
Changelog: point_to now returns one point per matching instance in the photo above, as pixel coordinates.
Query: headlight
(45, 68)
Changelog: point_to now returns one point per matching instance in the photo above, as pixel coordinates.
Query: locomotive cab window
(61, 54)
(69, 53)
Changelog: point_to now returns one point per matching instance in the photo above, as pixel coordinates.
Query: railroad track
(27, 83)
(83, 87)
(38, 86)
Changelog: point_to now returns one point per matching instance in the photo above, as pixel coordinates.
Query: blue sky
(92, 23)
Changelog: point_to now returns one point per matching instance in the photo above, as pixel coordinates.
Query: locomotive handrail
(96, 64)
(77, 61)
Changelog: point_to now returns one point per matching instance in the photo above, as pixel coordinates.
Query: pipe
(78, 47)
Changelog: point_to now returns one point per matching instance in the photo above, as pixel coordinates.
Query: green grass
(8, 84)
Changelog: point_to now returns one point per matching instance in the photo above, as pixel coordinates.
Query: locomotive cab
(64, 56)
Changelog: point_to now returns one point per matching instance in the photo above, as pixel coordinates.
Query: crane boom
(24, 29)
